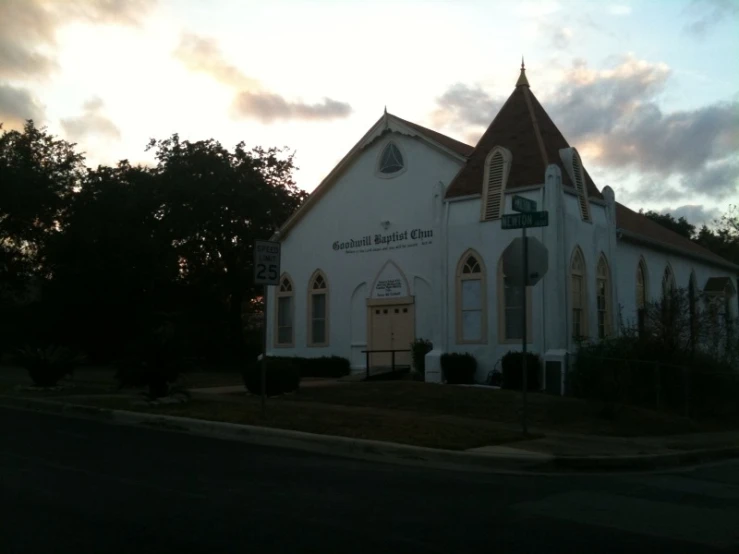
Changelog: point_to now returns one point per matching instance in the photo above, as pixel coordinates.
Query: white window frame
(460, 278)
(315, 292)
(279, 293)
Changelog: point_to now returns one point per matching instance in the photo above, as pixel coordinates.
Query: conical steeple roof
(523, 127)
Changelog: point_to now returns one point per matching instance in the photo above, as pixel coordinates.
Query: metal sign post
(267, 273)
(528, 217)
(523, 343)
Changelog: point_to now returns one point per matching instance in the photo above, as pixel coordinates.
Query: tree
(112, 266)
(723, 239)
(679, 226)
(38, 173)
(213, 204)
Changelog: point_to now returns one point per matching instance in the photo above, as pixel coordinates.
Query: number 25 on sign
(266, 262)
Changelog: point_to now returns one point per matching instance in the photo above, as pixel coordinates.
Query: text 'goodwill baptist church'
(403, 240)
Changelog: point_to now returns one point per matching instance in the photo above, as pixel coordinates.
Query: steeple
(522, 80)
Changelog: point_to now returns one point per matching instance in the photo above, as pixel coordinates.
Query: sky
(648, 90)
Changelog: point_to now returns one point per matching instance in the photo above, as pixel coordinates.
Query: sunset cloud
(252, 100)
(615, 114)
(92, 121)
(16, 106)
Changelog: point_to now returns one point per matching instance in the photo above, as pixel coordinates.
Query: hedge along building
(403, 240)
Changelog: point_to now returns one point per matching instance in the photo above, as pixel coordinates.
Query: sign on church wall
(390, 283)
(379, 242)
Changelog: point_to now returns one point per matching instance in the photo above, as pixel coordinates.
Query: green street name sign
(521, 204)
(519, 221)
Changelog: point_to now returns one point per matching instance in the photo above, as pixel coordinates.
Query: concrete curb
(379, 450)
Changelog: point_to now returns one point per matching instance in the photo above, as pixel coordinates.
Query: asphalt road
(77, 486)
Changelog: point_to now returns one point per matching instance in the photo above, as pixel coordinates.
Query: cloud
(706, 14)
(202, 55)
(28, 29)
(91, 122)
(268, 107)
(117, 12)
(462, 105)
(561, 37)
(25, 25)
(615, 112)
(252, 100)
(17, 105)
(694, 213)
(613, 116)
(720, 179)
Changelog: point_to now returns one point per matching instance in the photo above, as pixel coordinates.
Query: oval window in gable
(391, 160)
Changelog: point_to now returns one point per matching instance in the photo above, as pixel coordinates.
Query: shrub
(283, 375)
(154, 362)
(645, 371)
(459, 368)
(419, 349)
(512, 365)
(47, 366)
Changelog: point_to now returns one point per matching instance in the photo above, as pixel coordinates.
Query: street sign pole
(265, 294)
(523, 344)
(266, 273)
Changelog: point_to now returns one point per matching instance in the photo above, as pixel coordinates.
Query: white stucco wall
(551, 306)
(594, 239)
(353, 208)
(360, 201)
(629, 255)
(466, 231)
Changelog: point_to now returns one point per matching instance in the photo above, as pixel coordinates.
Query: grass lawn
(105, 376)
(363, 423)
(545, 412)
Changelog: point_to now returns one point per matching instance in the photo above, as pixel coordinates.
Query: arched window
(668, 289)
(318, 310)
(510, 309)
(578, 295)
(471, 299)
(391, 160)
(693, 309)
(285, 308)
(603, 295)
(668, 283)
(642, 295)
(497, 166)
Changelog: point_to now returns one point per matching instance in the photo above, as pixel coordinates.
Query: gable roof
(459, 147)
(640, 228)
(523, 127)
(388, 122)
(718, 285)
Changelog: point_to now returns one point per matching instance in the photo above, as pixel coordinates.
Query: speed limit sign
(266, 262)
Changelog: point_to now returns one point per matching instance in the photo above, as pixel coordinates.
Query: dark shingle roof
(638, 224)
(523, 127)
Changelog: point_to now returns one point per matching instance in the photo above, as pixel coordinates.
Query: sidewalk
(573, 445)
(556, 452)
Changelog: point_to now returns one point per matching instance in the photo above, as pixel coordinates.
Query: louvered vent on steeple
(497, 167)
(578, 176)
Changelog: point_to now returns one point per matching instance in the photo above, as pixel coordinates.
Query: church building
(404, 240)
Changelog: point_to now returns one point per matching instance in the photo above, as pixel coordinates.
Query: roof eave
(641, 239)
